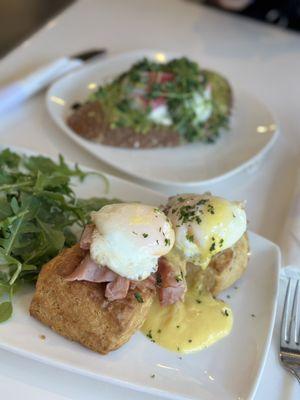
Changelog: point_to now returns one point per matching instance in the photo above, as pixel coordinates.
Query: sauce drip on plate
(192, 325)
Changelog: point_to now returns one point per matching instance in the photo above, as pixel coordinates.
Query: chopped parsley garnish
(190, 237)
(210, 209)
(190, 340)
(202, 202)
(167, 242)
(139, 297)
(177, 326)
(198, 301)
(212, 247)
(145, 235)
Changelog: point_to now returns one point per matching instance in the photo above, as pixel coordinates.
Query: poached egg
(130, 237)
(205, 225)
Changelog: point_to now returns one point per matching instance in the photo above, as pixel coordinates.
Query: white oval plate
(228, 370)
(252, 131)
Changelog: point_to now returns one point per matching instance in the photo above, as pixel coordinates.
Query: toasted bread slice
(79, 311)
(227, 267)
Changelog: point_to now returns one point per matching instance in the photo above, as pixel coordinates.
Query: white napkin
(290, 244)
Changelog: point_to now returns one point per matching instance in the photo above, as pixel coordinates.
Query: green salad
(177, 95)
(38, 211)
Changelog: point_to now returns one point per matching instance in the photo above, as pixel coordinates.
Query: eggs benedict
(141, 267)
(211, 252)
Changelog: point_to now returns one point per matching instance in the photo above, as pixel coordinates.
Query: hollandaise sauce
(187, 326)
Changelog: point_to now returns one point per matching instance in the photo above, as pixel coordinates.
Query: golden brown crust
(79, 311)
(227, 267)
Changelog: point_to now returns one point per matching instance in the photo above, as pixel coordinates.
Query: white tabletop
(261, 59)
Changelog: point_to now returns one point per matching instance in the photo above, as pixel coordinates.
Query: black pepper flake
(160, 229)
(235, 287)
(157, 242)
(152, 376)
(75, 106)
(158, 279)
(253, 315)
(228, 296)
(190, 340)
(225, 312)
(149, 334)
(180, 358)
(159, 331)
(145, 235)
(177, 326)
(198, 301)
(134, 233)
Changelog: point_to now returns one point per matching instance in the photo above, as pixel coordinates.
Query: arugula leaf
(6, 310)
(39, 213)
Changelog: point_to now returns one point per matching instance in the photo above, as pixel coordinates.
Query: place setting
(174, 295)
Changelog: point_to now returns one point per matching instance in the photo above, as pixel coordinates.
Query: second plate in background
(252, 131)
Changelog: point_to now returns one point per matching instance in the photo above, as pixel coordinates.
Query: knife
(19, 91)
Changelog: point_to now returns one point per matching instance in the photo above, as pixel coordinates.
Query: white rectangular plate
(229, 369)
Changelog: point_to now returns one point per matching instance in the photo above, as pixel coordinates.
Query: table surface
(259, 58)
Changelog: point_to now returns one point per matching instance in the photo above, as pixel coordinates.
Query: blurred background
(20, 18)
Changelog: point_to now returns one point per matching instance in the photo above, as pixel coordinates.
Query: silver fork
(290, 329)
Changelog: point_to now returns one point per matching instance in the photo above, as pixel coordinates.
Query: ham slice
(117, 289)
(149, 283)
(86, 237)
(171, 288)
(90, 271)
(117, 286)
